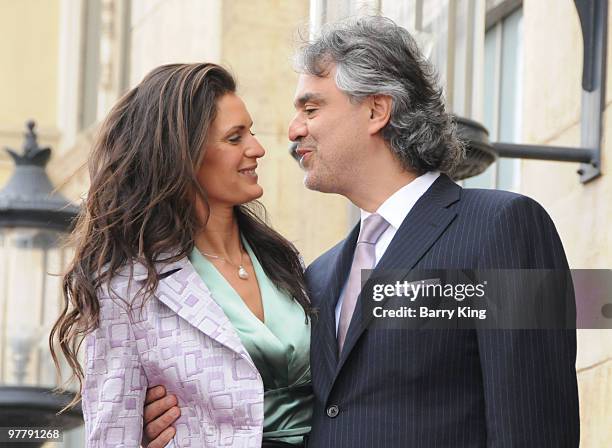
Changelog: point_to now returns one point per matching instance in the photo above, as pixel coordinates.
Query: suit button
(333, 411)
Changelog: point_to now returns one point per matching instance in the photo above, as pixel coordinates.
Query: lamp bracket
(593, 16)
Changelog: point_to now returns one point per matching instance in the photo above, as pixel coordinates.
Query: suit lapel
(328, 291)
(421, 228)
(183, 291)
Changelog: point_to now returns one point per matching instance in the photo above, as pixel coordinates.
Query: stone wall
(582, 213)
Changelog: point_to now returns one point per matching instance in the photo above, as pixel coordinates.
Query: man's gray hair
(374, 56)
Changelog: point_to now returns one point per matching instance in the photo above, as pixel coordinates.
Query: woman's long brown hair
(140, 203)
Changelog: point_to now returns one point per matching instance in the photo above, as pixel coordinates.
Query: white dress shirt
(395, 209)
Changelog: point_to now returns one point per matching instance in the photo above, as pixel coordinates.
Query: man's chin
(315, 184)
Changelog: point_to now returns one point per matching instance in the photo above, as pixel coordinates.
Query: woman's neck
(221, 236)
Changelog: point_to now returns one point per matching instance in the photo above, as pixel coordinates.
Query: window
(502, 98)
(91, 64)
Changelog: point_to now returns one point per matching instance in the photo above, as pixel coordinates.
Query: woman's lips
(249, 172)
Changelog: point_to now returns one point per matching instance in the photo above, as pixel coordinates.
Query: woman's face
(228, 169)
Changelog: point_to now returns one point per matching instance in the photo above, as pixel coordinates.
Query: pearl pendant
(242, 273)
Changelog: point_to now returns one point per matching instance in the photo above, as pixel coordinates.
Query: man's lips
(303, 155)
(301, 152)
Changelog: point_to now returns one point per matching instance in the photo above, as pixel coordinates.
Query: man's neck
(373, 190)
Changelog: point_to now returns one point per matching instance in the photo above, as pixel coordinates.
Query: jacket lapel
(328, 291)
(183, 291)
(421, 228)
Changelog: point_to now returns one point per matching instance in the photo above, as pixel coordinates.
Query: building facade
(515, 66)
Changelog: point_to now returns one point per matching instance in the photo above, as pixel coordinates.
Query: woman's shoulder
(131, 280)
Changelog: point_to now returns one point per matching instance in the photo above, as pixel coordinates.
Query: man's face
(331, 132)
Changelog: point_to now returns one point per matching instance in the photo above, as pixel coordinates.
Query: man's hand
(160, 412)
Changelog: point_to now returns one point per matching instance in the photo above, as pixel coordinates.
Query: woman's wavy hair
(374, 56)
(140, 207)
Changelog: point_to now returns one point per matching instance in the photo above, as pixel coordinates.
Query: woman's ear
(380, 112)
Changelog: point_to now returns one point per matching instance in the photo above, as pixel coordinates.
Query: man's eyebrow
(299, 102)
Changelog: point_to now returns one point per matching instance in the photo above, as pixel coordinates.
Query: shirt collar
(398, 205)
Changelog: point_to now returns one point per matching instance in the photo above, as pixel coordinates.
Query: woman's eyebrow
(238, 127)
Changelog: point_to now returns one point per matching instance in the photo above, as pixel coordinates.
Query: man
(371, 125)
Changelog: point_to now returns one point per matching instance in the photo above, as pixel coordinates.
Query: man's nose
(297, 128)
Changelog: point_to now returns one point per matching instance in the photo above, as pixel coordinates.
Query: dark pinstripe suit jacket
(446, 388)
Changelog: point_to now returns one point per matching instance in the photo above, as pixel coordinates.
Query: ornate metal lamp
(33, 219)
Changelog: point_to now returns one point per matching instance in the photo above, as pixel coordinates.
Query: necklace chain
(242, 272)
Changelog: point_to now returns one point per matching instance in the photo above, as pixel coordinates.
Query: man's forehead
(311, 88)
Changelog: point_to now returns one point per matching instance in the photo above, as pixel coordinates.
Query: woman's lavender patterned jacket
(181, 339)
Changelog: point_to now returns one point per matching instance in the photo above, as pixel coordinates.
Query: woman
(176, 281)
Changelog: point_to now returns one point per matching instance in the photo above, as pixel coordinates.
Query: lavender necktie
(363, 258)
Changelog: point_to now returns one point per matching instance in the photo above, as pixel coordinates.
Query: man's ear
(380, 112)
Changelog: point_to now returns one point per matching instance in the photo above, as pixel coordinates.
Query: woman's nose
(255, 149)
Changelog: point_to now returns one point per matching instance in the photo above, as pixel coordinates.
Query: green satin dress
(279, 347)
